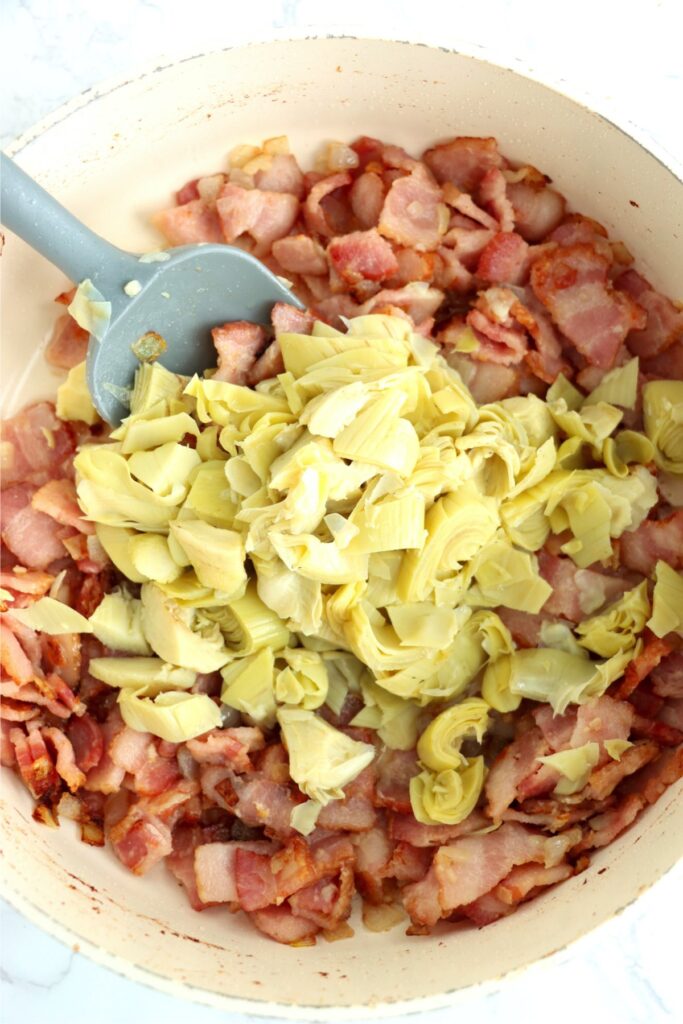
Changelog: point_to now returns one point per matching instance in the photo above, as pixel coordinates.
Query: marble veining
(625, 63)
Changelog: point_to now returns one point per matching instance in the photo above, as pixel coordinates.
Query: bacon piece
(668, 365)
(497, 343)
(409, 863)
(227, 746)
(17, 711)
(546, 360)
(661, 732)
(192, 222)
(445, 269)
(487, 382)
(465, 205)
(654, 539)
(140, 840)
(35, 582)
(395, 769)
(493, 195)
(279, 923)
(577, 229)
(12, 656)
(571, 282)
(418, 302)
(63, 654)
(36, 446)
(422, 900)
(68, 345)
(604, 828)
(30, 535)
(314, 211)
(214, 868)
(641, 666)
(7, 756)
(106, 777)
(602, 718)
(557, 729)
(300, 254)
(129, 749)
(288, 318)
(362, 255)
(180, 862)
(327, 902)
(282, 175)
(667, 677)
(187, 193)
(374, 850)
(66, 764)
(657, 776)
(268, 365)
(537, 209)
(405, 828)
(576, 592)
(254, 880)
(467, 242)
(664, 324)
(87, 740)
(57, 499)
(604, 781)
(265, 216)
(525, 627)
(413, 213)
(261, 803)
(237, 344)
(463, 161)
(516, 763)
(504, 259)
(367, 198)
(33, 761)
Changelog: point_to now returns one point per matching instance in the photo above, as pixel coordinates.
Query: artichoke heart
(178, 634)
(447, 797)
(663, 418)
(322, 760)
(667, 601)
(439, 745)
(616, 629)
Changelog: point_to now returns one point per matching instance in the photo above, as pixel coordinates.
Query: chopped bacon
(214, 868)
(661, 732)
(667, 677)
(546, 360)
(237, 345)
(395, 769)
(106, 777)
(57, 499)
(12, 656)
(227, 746)
(181, 862)
(265, 216)
(288, 318)
(264, 803)
(282, 175)
(654, 539)
(68, 345)
(33, 761)
(465, 205)
(504, 259)
(664, 320)
(362, 255)
(654, 779)
(17, 711)
(187, 193)
(66, 765)
(7, 756)
(314, 210)
(669, 364)
(463, 161)
(417, 301)
(374, 850)
(192, 222)
(406, 828)
(572, 283)
(413, 213)
(600, 719)
(35, 582)
(487, 382)
(254, 880)
(36, 446)
(367, 198)
(445, 268)
(140, 840)
(576, 592)
(494, 197)
(642, 665)
(87, 740)
(603, 828)
(63, 654)
(497, 343)
(409, 863)
(129, 749)
(280, 924)
(579, 229)
(327, 902)
(604, 781)
(515, 763)
(537, 209)
(524, 626)
(300, 254)
(29, 534)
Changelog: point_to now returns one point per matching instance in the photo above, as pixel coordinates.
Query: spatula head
(198, 287)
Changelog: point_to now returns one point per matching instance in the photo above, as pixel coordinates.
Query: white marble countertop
(624, 59)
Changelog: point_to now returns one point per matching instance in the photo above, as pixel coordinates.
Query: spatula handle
(30, 212)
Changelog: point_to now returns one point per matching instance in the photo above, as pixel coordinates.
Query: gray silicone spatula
(182, 298)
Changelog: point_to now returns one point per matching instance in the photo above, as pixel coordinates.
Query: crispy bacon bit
(33, 761)
(362, 255)
(463, 161)
(87, 740)
(603, 781)
(68, 345)
(66, 764)
(282, 175)
(214, 868)
(493, 195)
(264, 216)
(367, 198)
(12, 656)
(571, 282)
(603, 828)
(654, 539)
(327, 902)
(279, 923)
(395, 769)
(192, 222)
(300, 254)
(57, 499)
(38, 447)
(140, 840)
(642, 665)
(237, 345)
(537, 209)
(664, 324)
(264, 803)
(314, 211)
(227, 746)
(413, 213)
(653, 780)
(516, 763)
(29, 534)
(504, 259)
(667, 677)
